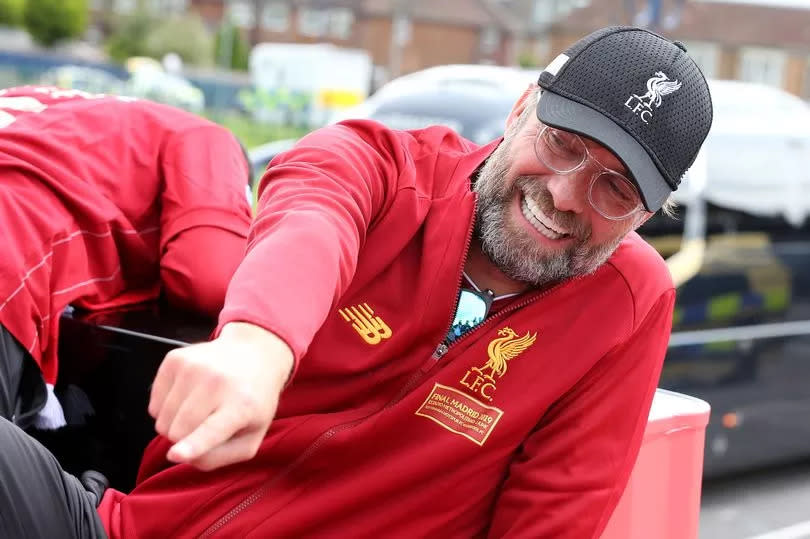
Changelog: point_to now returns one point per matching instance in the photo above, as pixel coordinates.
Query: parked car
(741, 333)
(150, 80)
(87, 79)
(260, 156)
(474, 100)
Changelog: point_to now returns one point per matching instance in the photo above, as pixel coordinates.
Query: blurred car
(260, 156)
(741, 332)
(87, 79)
(473, 100)
(149, 80)
(758, 150)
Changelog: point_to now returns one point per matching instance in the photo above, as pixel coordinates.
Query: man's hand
(216, 400)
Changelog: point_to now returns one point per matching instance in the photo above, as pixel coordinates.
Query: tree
(129, 35)
(11, 12)
(144, 34)
(184, 35)
(527, 60)
(50, 21)
(231, 48)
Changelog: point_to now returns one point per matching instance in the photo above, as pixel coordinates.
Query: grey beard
(515, 252)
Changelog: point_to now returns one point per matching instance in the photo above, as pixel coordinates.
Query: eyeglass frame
(603, 169)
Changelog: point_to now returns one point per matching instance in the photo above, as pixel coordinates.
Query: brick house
(401, 35)
(729, 40)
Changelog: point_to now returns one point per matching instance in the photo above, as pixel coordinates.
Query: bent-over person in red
(105, 202)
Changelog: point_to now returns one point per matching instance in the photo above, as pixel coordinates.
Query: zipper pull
(440, 351)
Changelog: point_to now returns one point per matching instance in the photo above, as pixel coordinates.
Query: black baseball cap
(636, 93)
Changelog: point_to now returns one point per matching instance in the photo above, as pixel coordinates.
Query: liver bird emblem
(657, 87)
(504, 348)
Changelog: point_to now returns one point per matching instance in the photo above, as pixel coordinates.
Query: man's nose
(568, 192)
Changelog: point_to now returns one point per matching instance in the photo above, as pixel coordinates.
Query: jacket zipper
(440, 351)
(443, 348)
(409, 384)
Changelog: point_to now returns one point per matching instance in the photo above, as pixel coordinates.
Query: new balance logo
(371, 328)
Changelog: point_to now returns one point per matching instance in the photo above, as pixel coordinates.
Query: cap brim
(563, 113)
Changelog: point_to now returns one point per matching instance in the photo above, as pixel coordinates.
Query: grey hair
(670, 207)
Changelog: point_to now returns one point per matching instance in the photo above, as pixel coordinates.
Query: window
(241, 13)
(168, 6)
(313, 22)
(276, 17)
(766, 66)
(490, 39)
(549, 11)
(340, 23)
(564, 7)
(543, 12)
(705, 56)
(806, 83)
(125, 6)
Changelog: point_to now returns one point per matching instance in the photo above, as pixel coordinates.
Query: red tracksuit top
(103, 200)
(527, 426)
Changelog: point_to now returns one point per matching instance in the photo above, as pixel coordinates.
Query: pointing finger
(162, 384)
(216, 429)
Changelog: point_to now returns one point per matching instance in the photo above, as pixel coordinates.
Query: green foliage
(129, 36)
(230, 42)
(143, 34)
(11, 12)
(527, 60)
(50, 21)
(186, 36)
(252, 133)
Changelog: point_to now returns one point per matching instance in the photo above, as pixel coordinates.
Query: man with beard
(449, 340)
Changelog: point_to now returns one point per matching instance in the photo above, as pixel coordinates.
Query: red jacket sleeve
(193, 274)
(570, 473)
(316, 203)
(205, 216)
(205, 183)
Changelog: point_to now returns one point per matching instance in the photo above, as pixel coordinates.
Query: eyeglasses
(609, 193)
(473, 307)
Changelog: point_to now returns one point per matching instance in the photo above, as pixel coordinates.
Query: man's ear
(520, 104)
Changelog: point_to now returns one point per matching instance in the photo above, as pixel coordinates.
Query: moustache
(535, 188)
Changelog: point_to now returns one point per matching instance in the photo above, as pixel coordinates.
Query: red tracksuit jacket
(528, 426)
(106, 202)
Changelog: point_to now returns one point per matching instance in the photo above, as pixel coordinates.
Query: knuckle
(161, 426)
(178, 429)
(173, 357)
(240, 401)
(215, 379)
(248, 451)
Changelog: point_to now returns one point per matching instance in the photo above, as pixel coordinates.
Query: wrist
(265, 342)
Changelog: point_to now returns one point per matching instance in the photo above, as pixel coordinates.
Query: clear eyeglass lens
(614, 195)
(559, 150)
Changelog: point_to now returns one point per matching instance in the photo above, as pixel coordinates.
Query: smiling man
(426, 337)
(551, 205)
